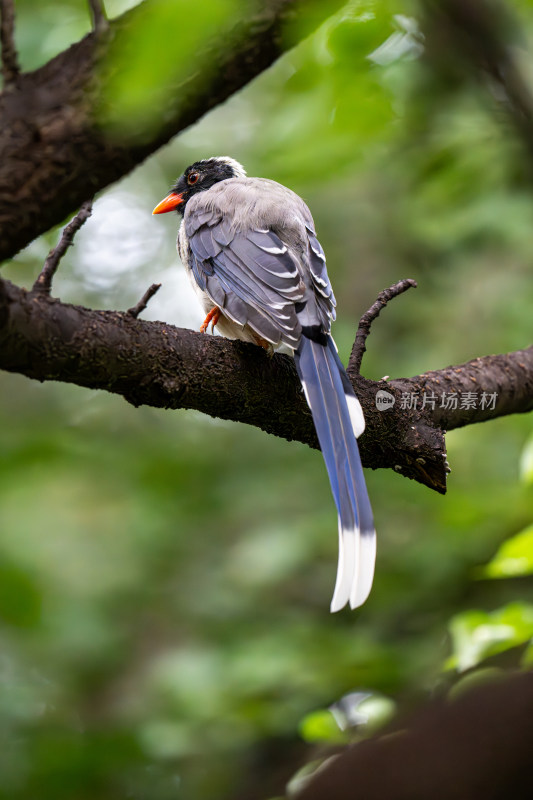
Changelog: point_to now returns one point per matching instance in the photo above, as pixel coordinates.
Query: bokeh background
(165, 578)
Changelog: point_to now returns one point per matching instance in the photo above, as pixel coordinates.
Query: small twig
(135, 310)
(10, 63)
(100, 21)
(43, 284)
(359, 345)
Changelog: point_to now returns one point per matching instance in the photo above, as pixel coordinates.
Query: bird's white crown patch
(237, 168)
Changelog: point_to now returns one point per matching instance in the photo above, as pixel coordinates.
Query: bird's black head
(197, 178)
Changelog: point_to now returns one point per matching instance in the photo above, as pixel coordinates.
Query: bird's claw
(211, 319)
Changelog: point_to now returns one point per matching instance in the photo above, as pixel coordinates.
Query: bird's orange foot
(212, 318)
(263, 343)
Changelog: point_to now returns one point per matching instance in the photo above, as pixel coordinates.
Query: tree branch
(135, 310)
(100, 22)
(155, 364)
(44, 281)
(55, 153)
(479, 390)
(365, 323)
(10, 64)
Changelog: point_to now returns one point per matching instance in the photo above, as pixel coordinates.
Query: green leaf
(476, 635)
(379, 710)
(320, 726)
(514, 557)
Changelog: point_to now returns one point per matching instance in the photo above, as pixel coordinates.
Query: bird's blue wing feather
(250, 275)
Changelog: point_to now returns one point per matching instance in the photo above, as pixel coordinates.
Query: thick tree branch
(480, 390)
(156, 364)
(53, 154)
(10, 64)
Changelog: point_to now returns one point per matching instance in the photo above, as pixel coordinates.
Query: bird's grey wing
(319, 273)
(250, 274)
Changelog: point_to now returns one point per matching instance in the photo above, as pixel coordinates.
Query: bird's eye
(192, 177)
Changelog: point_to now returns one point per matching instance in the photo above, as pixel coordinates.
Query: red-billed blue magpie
(250, 248)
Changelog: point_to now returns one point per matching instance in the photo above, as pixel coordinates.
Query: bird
(250, 248)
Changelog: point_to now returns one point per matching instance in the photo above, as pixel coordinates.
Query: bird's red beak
(170, 202)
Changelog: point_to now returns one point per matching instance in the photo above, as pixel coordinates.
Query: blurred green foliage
(514, 557)
(477, 635)
(165, 578)
(147, 68)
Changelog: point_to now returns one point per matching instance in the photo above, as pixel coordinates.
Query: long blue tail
(338, 419)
